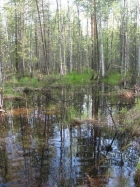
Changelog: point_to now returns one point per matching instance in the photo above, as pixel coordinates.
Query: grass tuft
(76, 78)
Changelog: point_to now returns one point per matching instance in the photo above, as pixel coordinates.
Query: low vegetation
(38, 80)
(137, 178)
(130, 120)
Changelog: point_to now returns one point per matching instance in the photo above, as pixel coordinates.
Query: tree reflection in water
(40, 148)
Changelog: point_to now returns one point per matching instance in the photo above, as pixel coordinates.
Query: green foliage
(137, 106)
(131, 119)
(113, 79)
(123, 110)
(76, 78)
(34, 82)
(72, 113)
(28, 81)
(138, 165)
(24, 80)
(9, 90)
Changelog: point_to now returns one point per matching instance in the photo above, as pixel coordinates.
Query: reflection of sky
(66, 149)
(69, 146)
(120, 176)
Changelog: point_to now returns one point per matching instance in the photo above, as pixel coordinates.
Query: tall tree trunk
(60, 37)
(70, 49)
(37, 51)
(79, 42)
(92, 43)
(102, 51)
(125, 41)
(87, 46)
(23, 42)
(16, 39)
(96, 43)
(95, 60)
(42, 38)
(45, 38)
(138, 40)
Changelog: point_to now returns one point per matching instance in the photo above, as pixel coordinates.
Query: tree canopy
(85, 34)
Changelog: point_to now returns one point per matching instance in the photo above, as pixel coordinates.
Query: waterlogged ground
(41, 146)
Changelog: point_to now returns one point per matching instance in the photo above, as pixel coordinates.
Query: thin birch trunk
(126, 42)
(16, 39)
(102, 51)
(70, 40)
(138, 40)
(23, 43)
(60, 37)
(42, 38)
(87, 46)
(79, 41)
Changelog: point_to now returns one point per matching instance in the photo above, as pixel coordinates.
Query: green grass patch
(76, 78)
(116, 78)
(28, 81)
(113, 79)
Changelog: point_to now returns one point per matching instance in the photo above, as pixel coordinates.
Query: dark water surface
(40, 147)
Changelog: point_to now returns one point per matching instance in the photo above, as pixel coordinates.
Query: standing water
(65, 138)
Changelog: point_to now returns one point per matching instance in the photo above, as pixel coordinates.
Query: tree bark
(42, 38)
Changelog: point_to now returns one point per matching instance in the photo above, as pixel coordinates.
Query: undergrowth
(76, 78)
(28, 81)
(115, 78)
(131, 119)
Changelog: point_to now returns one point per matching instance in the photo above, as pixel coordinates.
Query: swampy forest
(69, 93)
